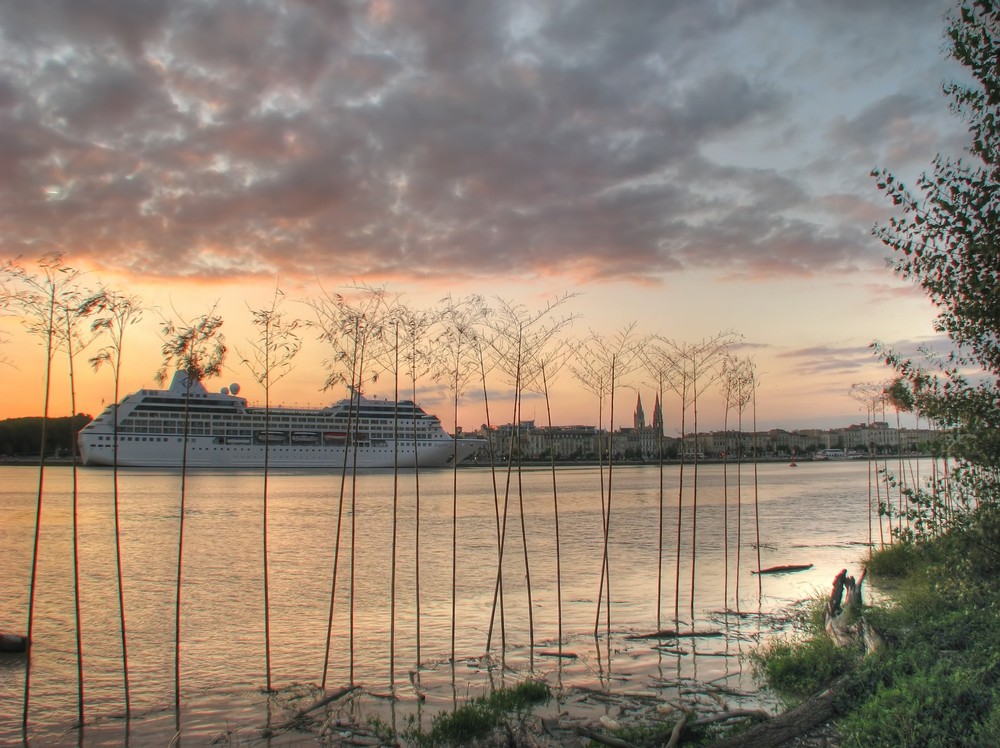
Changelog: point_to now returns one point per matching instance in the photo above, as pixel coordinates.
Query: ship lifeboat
(334, 437)
(305, 437)
(271, 436)
(13, 643)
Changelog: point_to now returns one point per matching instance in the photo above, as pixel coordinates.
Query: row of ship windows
(279, 423)
(135, 425)
(135, 439)
(230, 448)
(141, 429)
(179, 439)
(275, 418)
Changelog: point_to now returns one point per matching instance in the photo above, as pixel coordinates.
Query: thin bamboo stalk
(555, 512)
(180, 553)
(70, 355)
(116, 313)
(395, 509)
(498, 587)
(680, 500)
(756, 494)
(660, 508)
(354, 524)
(340, 517)
(32, 584)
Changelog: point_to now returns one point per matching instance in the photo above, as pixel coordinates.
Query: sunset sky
(689, 166)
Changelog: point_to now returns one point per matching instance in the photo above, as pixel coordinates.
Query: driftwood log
(778, 730)
(782, 569)
(844, 623)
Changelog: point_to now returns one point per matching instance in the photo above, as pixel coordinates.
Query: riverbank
(934, 679)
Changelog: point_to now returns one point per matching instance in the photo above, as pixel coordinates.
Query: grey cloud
(434, 138)
(128, 25)
(830, 359)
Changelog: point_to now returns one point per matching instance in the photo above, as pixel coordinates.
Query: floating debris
(783, 569)
(555, 653)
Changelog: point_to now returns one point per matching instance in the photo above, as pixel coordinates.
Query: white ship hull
(203, 452)
(223, 432)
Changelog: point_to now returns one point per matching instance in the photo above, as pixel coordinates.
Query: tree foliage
(946, 238)
(22, 437)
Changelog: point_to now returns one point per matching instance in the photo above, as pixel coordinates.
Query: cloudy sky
(691, 166)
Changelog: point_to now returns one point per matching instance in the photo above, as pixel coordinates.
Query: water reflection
(815, 514)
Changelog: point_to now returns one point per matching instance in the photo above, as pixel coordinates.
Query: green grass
(799, 669)
(896, 561)
(478, 719)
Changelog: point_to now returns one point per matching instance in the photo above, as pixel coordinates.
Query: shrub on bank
(797, 670)
(504, 709)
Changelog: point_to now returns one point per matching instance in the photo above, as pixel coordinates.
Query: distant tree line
(22, 437)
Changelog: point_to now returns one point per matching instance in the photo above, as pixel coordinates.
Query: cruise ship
(224, 432)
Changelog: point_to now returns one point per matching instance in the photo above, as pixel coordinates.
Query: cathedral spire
(639, 419)
(658, 415)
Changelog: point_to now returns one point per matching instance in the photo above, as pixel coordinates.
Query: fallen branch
(416, 687)
(336, 695)
(601, 738)
(808, 715)
(758, 714)
(675, 734)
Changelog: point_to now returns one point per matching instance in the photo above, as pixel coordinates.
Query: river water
(815, 513)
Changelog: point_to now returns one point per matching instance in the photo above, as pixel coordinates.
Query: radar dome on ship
(234, 388)
(224, 391)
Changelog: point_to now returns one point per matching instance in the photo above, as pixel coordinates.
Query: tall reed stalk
(729, 374)
(197, 349)
(269, 359)
(351, 325)
(601, 362)
(351, 426)
(498, 586)
(740, 381)
(701, 362)
(395, 504)
(415, 326)
(754, 382)
(458, 364)
(682, 391)
(866, 394)
(550, 361)
(518, 338)
(72, 311)
(37, 298)
(115, 313)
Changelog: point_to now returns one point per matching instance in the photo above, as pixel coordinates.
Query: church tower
(639, 419)
(658, 416)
